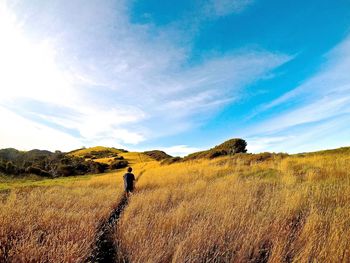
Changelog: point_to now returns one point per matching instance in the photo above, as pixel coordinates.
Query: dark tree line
(46, 163)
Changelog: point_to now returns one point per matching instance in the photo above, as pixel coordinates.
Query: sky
(179, 76)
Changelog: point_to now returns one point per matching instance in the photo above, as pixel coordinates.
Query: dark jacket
(129, 179)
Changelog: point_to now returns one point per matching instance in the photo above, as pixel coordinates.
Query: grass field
(294, 209)
(8, 183)
(284, 209)
(55, 220)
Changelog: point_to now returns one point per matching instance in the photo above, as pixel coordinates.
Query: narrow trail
(104, 248)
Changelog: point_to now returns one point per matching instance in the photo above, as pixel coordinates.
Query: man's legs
(128, 191)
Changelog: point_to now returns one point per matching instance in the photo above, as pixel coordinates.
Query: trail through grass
(105, 249)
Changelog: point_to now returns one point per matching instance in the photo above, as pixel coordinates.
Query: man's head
(129, 169)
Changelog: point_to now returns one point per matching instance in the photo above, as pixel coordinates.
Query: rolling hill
(234, 207)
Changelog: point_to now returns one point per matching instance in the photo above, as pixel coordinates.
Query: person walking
(129, 182)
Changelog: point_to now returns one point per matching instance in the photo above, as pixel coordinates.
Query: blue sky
(175, 75)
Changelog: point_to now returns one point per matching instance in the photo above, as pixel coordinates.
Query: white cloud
(24, 63)
(180, 150)
(227, 7)
(30, 72)
(315, 113)
(18, 132)
(323, 108)
(259, 144)
(110, 79)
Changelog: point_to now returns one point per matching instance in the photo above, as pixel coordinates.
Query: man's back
(129, 179)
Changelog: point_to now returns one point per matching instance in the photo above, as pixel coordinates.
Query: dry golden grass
(293, 209)
(284, 210)
(136, 157)
(132, 157)
(85, 151)
(57, 222)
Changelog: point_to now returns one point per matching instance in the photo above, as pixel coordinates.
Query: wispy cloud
(21, 133)
(226, 7)
(319, 108)
(179, 150)
(113, 81)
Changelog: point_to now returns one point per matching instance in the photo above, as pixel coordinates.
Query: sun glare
(28, 68)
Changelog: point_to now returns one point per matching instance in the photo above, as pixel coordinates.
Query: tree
(233, 146)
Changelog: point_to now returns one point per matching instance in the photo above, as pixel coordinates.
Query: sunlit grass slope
(56, 220)
(242, 208)
(132, 157)
(84, 151)
(285, 209)
(7, 182)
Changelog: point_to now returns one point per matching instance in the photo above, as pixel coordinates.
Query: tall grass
(57, 222)
(242, 209)
(293, 209)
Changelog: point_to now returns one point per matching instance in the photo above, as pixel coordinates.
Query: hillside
(241, 209)
(107, 155)
(157, 155)
(97, 151)
(236, 207)
(342, 150)
(229, 147)
(92, 160)
(45, 163)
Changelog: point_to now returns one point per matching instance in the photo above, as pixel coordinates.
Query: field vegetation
(246, 208)
(229, 147)
(46, 164)
(40, 164)
(55, 220)
(235, 207)
(157, 155)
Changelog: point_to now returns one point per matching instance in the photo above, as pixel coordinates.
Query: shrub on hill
(37, 171)
(233, 146)
(45, 163)
(97, 167)
(229, 147)
(97, 151)
(11, 168)
(100, 154)
(157, 155)
(65, 170)
(118, 164)
(2, 167)
(9, 154)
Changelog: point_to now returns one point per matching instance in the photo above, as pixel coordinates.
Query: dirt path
(104, 248)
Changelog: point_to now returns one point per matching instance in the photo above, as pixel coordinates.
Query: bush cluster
(158, 155)
(100, 154)
(118, 164)
(45, 163)
(229, 147)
